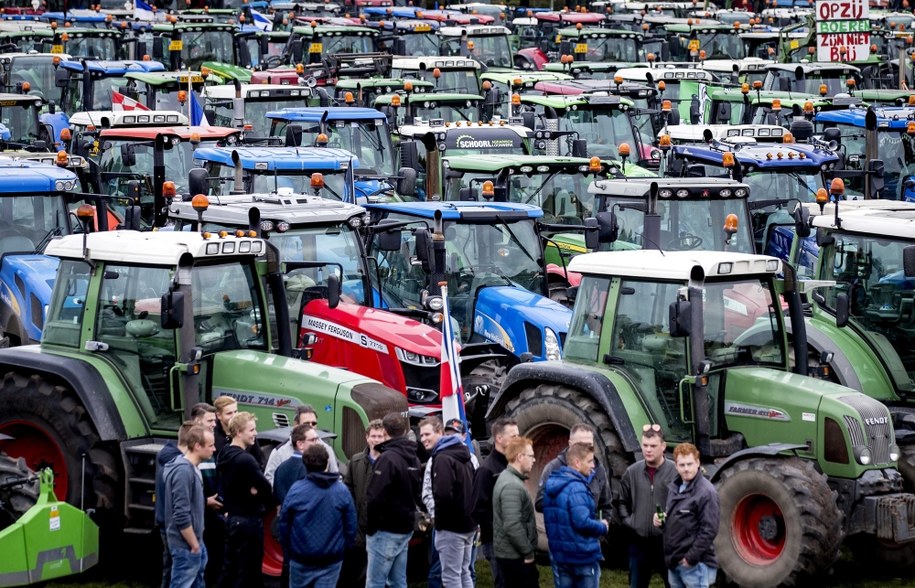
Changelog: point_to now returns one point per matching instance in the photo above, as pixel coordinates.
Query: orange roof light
(26, 86)
(617, 80)
(85, 211)
(487, 86)
(850, 82)
(56, 60)
(321, 141)
(808, 107)
(837, 187)
(776, 104)
(822, 196)
(911, 99)
(300, 68)
(168, 189)
(665, 106)
(727, 159)
(624, 150)
(436, 73)
(65, 37)
(651, 57)
(662, 85)
(65, 135)
(823, 89)
(182, 96)
(744, 88)
(195, 138)
(470, 45)
(594, 165)
(204, 71)
(909, 128)
(247, 127)
(787, 138)
(516, 99)
(488, 190)
(317, 180)
(200, 202)
(63, 159)
(664, 142)
(702, 55)
(395, 101)
(730, 224)
(348, 98)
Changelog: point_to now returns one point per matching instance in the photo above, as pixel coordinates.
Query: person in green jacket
(514, 525)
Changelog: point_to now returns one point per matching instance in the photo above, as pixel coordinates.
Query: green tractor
(668, 337)
(142, 326)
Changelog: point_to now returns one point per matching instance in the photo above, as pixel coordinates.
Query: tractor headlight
(551, 342)
(863, 455)
(415, 358)
(894, 452)
(435, 303)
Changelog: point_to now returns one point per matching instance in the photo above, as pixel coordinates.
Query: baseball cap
(455, 425)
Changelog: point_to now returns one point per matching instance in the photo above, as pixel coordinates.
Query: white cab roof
(151, 247)
(673, 265)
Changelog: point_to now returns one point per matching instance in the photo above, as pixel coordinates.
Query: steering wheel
(685, 242)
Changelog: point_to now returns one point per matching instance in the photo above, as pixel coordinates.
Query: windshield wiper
(514, 238)
(542, 186)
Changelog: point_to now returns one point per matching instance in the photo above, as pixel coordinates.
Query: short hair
(499, 425)
(578, 451)
(374, 425)
(653, 434)
(516, 447)
(395, 425)
(299, 433)
(202, 408)
(581, 428)
(315, 458)
(240, 422)
(183, 432)
(304, 409)
(684, 449)
(196, 436)
(434, 422)
(222, 402)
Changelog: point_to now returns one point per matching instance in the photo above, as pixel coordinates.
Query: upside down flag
(121, 102)
(197, 117)
(452, 392)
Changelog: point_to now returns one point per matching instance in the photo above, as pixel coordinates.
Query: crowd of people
(352, 525)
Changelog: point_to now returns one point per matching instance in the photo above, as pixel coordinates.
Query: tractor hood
(373, 326)
(517, 319)
(36, 274)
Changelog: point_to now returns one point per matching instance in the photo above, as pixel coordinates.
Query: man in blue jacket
(317, 524)
(572, 527)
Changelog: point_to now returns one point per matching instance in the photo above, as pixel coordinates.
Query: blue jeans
(581, 576)
(188, 568)
(304, 576)
(435, 565)
(387, 559)
(697, 576)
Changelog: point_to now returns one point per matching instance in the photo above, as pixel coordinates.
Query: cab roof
(673, 265)
(896, 118)
(295, 209)
(870, 217)
(150, 133)
(151, 247)
(22, 176)
(639, 187)
(249, 91)
(114, 68)
(128, 118)
(315, 113)
(430, 63)
(461, 210)
(281, 158)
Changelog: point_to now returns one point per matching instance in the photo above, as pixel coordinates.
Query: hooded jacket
(598, 483)
(692, 523)
(358, 473)
(572, 527)
(484, 482)
(394, 489)
(318, 520)
(239, 472)
(184, 501)
(452, 486)
(168, 452)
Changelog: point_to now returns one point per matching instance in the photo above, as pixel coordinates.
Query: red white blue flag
(452, 392)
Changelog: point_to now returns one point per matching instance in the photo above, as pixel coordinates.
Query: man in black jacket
(503, 430)
(452, 490)
(391, 502)
(246, 496)
(690, 523)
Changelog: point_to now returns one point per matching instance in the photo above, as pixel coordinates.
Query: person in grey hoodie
(184, 510)
(169, 451)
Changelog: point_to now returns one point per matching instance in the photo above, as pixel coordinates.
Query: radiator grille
(877, 434)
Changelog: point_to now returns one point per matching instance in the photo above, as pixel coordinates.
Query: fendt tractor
(142, 326)
(668, 337)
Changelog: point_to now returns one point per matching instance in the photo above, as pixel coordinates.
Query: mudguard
(759, 451)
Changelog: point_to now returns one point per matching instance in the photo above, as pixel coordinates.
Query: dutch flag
(452, 392)
(197, 117)
(261, 21)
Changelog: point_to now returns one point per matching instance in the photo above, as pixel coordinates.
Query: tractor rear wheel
(545, 414)
(779, 522)
(17, 499)
(50, 428)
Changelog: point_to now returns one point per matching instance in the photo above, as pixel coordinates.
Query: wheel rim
(40, 450)
(758, 529)
(272, 565)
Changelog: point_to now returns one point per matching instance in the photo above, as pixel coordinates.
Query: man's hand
(606, 525)
(684, 562)
(253, 491)
(529, 560)
(213, 502)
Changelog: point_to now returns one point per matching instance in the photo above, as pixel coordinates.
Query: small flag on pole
(120, 102)
(198, 118)
(261, 21)
(349, 181)
(452, 392)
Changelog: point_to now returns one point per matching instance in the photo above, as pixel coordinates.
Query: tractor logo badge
(756, 412)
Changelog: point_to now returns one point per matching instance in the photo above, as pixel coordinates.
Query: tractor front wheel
(779, 522)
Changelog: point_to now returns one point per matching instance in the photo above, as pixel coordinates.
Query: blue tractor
(88, 85)
(33, 210)
(364, 131)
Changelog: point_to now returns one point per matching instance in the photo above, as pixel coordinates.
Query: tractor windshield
(207, 45)
(38, 71)
(464, 81)
(722, 45)
(272, 182)
(490, 50)
(605, 48)
(368, 140)
(29, 221)
(604, 130)
(21, 121)
(870, 272)
(97, 47)
(255, 112)
(101, 93)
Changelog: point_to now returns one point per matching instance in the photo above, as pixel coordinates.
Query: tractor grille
(877, 434)
(422, 382)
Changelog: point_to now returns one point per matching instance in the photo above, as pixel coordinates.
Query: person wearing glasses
(514, 527)
(573, 529)
(292, 470)
(643, 490)
(304, 415)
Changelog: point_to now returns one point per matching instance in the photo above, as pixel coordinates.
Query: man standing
(214, 533)
(317, 523)
(304, 415)
(572, 527)
(503, 430)
(246, 496)
(430, 431)
(452, 490)
(292, 470)
(166, 455)
(184, 508)
(391, 499)
(643, 490)
(226, 409)
(690, 523)
(513, 524)
(358, 473)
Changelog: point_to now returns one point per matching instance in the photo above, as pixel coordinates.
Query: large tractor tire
(482, 384)
(545, 414)
(21, 495)
(779, 522)
(50, 428)
(906, 467)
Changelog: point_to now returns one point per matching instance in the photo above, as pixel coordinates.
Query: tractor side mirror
(198, 181)
(694, 114)
(608, 229)
(61, 77)
(409, 156)
(801, 221)
(243, 53)
(293, 135)
(908, 261)
(467, 195)
(423, 249)
(333, 290)
(679, 315)
(157, 48)
(824, 239)
(387, 240)
(172, 308)
(592, 233)
(295, 49)
(579, 148)
(528, 119)
(406, 183)
(399, 46)
(723, 116)
(875, 168)
(128, 155)
(841, 309)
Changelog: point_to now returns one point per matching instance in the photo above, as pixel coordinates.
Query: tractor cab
(441, 105)
(488, 44)
(166, 90)
(89, 85)
(193, 46)
(245, 106)
(454, 75)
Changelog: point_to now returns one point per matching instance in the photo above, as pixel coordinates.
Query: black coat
(692, 523)
(452, 486)
(394, 491)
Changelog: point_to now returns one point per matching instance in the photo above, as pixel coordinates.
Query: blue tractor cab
(88, 85)
(490, 255)
(33, 210)
(321, 171)
(363, 131)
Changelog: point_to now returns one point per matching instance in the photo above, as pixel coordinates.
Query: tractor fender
(771, 450)
(80, 376)
(840, 364)
(593, 384)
